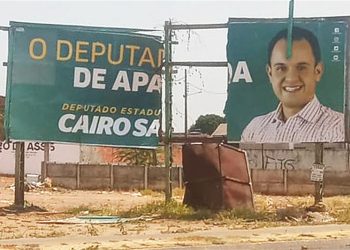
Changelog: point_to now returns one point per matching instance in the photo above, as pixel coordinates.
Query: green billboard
(83, 84)
(255, 95)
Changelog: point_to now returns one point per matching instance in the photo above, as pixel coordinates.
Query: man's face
(294, 80)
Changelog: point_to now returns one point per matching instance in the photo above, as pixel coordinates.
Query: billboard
(273, 97)
(83, 84)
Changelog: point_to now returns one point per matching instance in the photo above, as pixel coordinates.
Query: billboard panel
(83, 84)
(276, 98)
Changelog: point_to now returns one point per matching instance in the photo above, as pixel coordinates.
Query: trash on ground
(97, 220)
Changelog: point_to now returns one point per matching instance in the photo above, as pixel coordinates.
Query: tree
(207, 123)
(139, 157)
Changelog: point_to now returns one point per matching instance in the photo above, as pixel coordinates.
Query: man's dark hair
(297, 35)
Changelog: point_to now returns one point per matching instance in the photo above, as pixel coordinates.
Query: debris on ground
(298, 214)
(97, 220)
(36, 185)
(320, 217)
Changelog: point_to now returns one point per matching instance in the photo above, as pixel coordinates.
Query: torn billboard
(272, 98)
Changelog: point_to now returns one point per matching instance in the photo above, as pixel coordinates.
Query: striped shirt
(314, 123)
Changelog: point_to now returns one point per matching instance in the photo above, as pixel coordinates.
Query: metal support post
(46, 160)
(185, 96)
(19, 176)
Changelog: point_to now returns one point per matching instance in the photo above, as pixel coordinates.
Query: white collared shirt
(314, 123)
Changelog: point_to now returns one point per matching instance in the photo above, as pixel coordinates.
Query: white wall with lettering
(34, 155)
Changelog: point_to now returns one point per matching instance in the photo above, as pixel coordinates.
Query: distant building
(221, 130)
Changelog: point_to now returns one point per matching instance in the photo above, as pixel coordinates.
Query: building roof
(221, 130)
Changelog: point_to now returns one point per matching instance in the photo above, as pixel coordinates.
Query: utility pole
(168, 109)
(317, 175)
(319, 162)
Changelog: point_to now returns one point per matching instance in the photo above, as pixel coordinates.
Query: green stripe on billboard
(83, 85)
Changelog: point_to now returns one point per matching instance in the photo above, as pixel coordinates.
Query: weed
(122, 229)
(92, 230)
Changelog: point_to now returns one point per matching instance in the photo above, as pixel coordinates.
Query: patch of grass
(150, 192)
(177, 210)
(166, 210)
(178, 192)
(339, 207)
(245, 215)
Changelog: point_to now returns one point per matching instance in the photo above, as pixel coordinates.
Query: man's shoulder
(331, 114)
(256, 126)
(261, 118)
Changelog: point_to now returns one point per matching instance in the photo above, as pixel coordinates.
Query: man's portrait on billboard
(297, 114)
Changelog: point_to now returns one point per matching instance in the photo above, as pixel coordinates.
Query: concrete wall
(279, 169)
(285, 169)
(297, 182)
(94, 176)
(265, 181)
(296, 156)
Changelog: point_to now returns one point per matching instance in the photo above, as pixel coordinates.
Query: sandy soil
(26, 230)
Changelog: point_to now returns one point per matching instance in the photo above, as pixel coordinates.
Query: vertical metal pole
(46, 160)
(186, 105)
(290, 29)
(19, 175)
(347, 98)
(168, 109)
(78, 176)
(111, 173)
(145, 178)
(318, 184)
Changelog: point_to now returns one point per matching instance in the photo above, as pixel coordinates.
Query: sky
(206, 86)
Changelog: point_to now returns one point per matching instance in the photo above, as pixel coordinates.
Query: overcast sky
(207, 89)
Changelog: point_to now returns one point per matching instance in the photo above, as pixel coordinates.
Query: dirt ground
(33, 229)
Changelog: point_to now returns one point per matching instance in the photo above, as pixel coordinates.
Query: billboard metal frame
(168, 64)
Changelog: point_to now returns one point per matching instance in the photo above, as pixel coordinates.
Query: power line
(208, 91)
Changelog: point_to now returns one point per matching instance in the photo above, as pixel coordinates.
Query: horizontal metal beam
(192, 139)
(197, 26)
(4, 28)
(200, 64)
